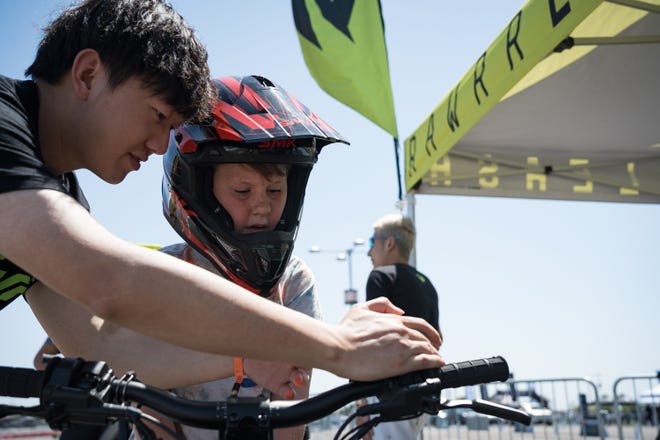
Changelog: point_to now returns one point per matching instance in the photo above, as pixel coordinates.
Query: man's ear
(85, 72)
(390, 243)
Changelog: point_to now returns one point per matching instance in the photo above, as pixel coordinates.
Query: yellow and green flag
(343, 43)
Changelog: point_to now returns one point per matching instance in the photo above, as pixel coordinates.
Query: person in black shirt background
(391, 244)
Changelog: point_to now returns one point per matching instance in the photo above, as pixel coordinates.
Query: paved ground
(494, 432)
(40, 433)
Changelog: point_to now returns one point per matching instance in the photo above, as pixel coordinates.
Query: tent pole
(410, 208)
(398, 168)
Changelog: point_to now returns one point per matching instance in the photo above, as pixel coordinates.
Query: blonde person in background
(391, 244)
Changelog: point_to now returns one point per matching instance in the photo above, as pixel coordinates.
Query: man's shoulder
(408, 269)
(410, 272)
(7, 83)
(19, 105)
(16, 89)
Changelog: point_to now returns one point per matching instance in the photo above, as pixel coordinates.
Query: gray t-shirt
(295, 290)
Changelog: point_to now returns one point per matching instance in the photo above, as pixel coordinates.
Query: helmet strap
(238, 376)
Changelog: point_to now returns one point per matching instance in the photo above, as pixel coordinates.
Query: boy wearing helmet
(233, 189)
(110, 78)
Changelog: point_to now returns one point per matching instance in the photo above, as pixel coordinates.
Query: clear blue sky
(558, 288)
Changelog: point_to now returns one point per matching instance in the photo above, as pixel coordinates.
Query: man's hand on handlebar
(385, 343)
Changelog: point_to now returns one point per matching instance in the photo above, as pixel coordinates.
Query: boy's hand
(285, 381)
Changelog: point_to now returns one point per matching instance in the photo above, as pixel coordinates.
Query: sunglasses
(373, 239)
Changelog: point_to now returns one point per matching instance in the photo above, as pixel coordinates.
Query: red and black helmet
(254, 121)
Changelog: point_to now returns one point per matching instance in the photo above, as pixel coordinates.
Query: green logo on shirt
(12, 284)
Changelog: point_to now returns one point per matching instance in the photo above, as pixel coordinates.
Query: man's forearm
(155, 362)
(181, 304)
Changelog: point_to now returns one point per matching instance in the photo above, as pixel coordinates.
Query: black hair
(143, 38)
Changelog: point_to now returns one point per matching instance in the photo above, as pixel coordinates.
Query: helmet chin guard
(254, 121)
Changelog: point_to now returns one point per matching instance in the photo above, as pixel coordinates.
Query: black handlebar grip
(21, 382)
(474, 372)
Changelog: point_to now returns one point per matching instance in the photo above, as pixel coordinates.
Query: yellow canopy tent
(564, 104)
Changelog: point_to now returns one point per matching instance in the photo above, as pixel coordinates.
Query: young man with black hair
(109, 81)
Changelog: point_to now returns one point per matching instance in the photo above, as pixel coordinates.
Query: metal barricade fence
(637, 405)
(565, 408)
(561, 409)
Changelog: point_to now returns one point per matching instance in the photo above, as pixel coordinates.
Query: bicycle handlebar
(20, 382)
(76, 391)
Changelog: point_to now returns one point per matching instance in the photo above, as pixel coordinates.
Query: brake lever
(408, 401)
(490, 408)
(76, 392)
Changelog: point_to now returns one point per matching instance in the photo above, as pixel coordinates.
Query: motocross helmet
(253, 121)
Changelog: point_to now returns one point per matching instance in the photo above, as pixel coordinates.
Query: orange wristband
(238, 370)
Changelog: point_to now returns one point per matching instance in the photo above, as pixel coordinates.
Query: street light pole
(350, 294)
